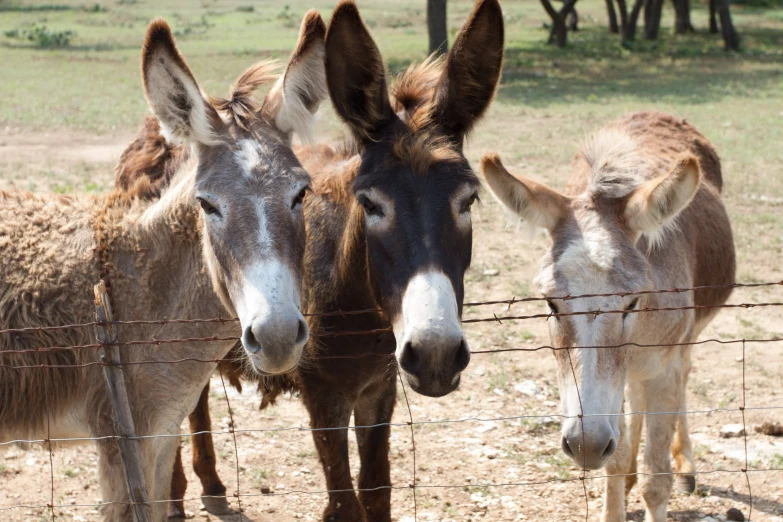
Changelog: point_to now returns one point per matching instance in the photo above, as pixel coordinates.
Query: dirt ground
(459, 465)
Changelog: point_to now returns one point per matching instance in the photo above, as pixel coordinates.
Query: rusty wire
(411, 423)
(512, 301)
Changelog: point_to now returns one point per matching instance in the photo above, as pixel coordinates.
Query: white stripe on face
(249, 155)
(429, 314)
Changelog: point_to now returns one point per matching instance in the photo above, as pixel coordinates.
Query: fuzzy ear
(533, 202)
(172, 91)
(355, 74)
(472, 71)
(294, 99)
(654, 205)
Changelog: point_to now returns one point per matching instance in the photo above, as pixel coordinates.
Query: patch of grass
(290, 18)
(776, 462)
(41, 36)
(498, 380)
(560, 465)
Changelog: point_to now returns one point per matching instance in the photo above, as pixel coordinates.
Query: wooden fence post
(124, 428)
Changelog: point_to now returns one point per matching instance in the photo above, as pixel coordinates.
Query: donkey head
(414, 186)
(248, 183)
(597, 248)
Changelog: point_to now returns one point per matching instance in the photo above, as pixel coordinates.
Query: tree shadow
(765, 505)
(687, 69)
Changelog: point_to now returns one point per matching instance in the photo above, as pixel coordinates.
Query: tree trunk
(713, 19)
(613, 27)
(730, 36)
(682, 17)
(652, 18)
(436, 26)
(572, 20)
(628, 21)
(559, 33)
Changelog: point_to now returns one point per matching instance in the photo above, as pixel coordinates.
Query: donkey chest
(355, 361)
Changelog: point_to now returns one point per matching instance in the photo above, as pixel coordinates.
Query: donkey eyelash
(469, 202)
(369, 207)
(631, 306)
(299, 199)
(552, 307)
(207, 207)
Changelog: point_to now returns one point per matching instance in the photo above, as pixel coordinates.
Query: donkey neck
(157, 256)
(336, 265)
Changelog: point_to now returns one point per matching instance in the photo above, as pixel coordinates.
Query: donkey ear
(172, 91)
(654, 205)
(294, 99)
(533, 202)
(472, 70)
(355, 74)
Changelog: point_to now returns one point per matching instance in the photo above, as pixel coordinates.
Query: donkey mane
(413, 99)
(242, 108)
(615, 165)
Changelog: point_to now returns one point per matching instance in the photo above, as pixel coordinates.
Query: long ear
(654, 205)
(355, 74)
(472, 71)
(172, 91)
(294, 99)
(531, 201)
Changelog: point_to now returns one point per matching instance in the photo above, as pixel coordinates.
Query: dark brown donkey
(389, 228)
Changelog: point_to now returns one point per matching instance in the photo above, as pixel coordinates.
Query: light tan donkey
(228, 236)
(642, 211)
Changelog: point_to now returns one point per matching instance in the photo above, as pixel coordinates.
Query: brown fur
(151, 156)
(156, 255)
(357, 373)
(642, 211)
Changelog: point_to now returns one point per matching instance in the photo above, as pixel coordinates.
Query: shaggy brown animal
(642, 211)
(151, 156)
(388, 228)
(164, 259)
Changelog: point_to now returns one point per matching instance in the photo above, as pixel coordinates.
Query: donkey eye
(552, 307)
(469, 202)
(299, 199)
(631, 306)
(207, 207)
(370, 208)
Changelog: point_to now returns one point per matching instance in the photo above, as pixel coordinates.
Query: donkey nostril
(409, 360)
(461, 357)
(609, 450)
(565, 447)
(302, 334)
(249, 340)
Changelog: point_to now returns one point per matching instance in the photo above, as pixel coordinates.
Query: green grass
(548, 100)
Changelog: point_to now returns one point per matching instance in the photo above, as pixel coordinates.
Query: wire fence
(7, 358)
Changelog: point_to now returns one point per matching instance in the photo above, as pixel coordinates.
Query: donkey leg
(682, 451)
(213, 492)
(164, 452)
(637, 403)
(662, 395)
(112, 482)
(179, 484)
(331, 410)
(614, 490)
(374, 408)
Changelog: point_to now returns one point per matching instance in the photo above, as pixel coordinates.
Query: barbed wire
(476, 485)
(512, 301)
(233, 430)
